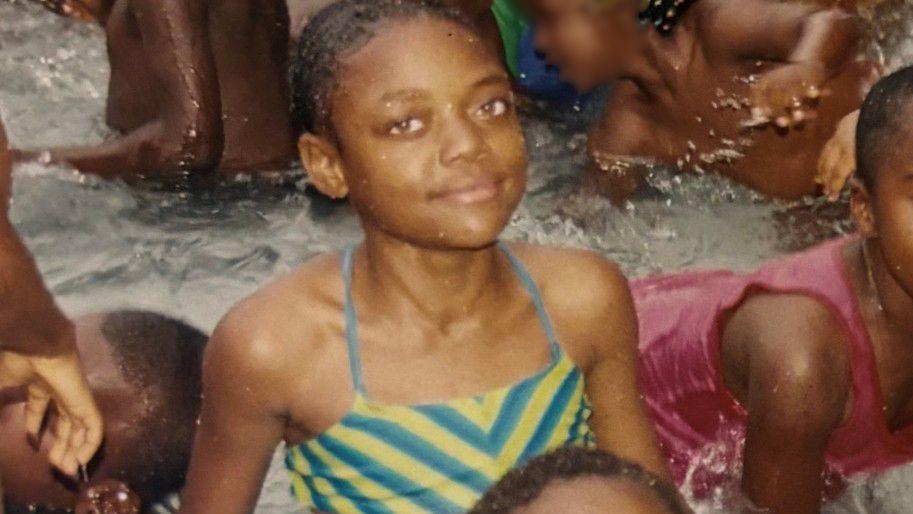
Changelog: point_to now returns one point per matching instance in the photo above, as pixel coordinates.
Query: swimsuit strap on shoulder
(348, 262)
(536, 296)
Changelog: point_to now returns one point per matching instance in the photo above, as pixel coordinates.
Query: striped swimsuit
(438, 458)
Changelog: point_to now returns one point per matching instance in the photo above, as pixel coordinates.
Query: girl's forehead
(416, 54)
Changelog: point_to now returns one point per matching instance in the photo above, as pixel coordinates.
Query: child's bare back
(751, 89)
(248, 43)
(705, 123)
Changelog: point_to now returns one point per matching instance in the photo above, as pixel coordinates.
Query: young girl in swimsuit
(751, 89)
(409, 373)
(802, 372)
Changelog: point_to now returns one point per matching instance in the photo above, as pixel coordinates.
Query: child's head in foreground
(883, 194)
(580, 481)
(144, 370)
(405, 112)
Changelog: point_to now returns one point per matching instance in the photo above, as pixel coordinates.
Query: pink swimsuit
(700, 424)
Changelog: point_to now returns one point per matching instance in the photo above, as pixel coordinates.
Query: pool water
(193, 254)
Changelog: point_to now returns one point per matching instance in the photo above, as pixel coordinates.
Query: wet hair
(884, 112)
(524, 485)
(162, 358)
(336, 32)
(664, 15)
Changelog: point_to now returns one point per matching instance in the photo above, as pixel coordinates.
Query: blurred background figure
(194, 86)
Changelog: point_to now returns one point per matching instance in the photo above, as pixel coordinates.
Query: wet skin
(26, 476)
(595, 495)
(431, 156)
(194, 86)
(785, 356)
(480, 12)
(681, 100)
(38, 350)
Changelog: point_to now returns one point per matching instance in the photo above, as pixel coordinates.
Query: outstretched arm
(38, 347)
(785, 32)
(812, 42)
(187, 134)
(240, 427)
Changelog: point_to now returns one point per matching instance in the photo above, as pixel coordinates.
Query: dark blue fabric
(539, 78)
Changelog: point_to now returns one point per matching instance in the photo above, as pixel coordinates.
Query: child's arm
(187, 135)
(38, 347)
(240, 426)
(596, 319)
(814, 42)
(785, 359)
(620, 419)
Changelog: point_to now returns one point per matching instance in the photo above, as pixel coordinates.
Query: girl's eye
(495, 108)
(406, 126)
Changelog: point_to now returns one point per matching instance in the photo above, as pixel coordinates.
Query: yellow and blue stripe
(438, 458)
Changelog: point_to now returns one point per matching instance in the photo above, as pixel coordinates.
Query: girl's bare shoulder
(296, 314)
(574, 280)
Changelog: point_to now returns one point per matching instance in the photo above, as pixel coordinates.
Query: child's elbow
(192, 148)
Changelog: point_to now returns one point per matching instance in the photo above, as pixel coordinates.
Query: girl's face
(428, 146)
(591, 44)
(887, 213)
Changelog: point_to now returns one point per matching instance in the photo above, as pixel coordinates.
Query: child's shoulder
(290, 314)
(574, 279)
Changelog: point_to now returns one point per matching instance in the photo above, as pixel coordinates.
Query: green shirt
(512, 24)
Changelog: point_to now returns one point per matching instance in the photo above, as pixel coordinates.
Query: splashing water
(105, 245)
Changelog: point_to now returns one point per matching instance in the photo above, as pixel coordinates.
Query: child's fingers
(70, 462)
(92, 440)
(61, 438)
(36, 408)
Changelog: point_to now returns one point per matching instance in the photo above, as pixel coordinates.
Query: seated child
(144, 370)
(751, 89)
(194, 86)
(801, 373)
(580, 481)
(409, 373)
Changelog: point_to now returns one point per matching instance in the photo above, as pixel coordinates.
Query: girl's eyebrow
(403, 94)
(412, 93)
(493, 79)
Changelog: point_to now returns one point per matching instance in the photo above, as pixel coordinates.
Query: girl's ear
(323, 164)
(861, 208)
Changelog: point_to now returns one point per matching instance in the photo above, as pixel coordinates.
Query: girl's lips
(477, 192)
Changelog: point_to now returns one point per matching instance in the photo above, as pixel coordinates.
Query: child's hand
(785, 96)
(59, 378)
(837, 162)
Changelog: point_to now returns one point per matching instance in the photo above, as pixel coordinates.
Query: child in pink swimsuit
(800, 374)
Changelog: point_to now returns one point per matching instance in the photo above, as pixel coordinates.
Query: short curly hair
(163, 358)
(883, 114)
(336, 32)
(524, 485)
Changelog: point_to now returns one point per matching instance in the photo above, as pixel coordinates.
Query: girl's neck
(441, 286)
